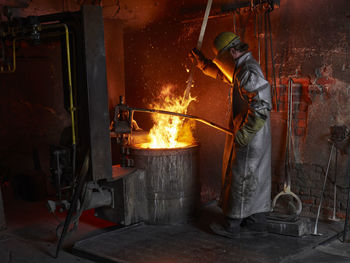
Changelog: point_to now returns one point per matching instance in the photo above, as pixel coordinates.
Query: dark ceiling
(133, 13)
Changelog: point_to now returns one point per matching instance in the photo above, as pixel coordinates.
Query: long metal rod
(345, 230)
(209, 123)
(74, 202)
(334, 217)
(234, 23)
(289, 134)
(266, 48)
(259, 24)
(287, 162)
(199, 46)
(347, 173)
(323, 188)
(273, 63)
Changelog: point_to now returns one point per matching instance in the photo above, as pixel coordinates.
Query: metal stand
(345, 230)
(339, 134)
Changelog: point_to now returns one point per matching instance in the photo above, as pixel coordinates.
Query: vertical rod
(273, 63)
(58, 177)
(234, 22)
(323, 188)
(259, 56)
(266, 49)
(70, 86)
(335, 185)
(199, 46)
(347, 173)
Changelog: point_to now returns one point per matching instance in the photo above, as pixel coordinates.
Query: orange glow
(170, 131)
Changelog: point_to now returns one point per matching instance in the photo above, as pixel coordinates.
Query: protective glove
(198, 58)
(252, 125)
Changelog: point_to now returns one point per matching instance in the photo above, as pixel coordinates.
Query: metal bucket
(172, 183)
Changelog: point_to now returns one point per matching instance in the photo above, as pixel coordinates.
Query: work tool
(74, 203)
(199, 46)
(274, 86)
(338, 134)
(124, 118)
(315, 233)
(123, 123)
(289, 145)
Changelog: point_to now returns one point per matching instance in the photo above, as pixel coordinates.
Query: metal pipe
(70, 85)
(266, 48)
(259, 24)
(273, 63)
(209, 123)
(13, 68)
(234, 23)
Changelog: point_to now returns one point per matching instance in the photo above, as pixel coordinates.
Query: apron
(246, 170)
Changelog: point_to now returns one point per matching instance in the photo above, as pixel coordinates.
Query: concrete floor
(196, 243)
(31, 232)
(30, 237)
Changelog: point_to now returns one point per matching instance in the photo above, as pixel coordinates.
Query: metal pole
(348, 201)
(266, 48)
(259, 23)
(199, 45)
(209, 123)
(273, 64)
(323, 188)
(334, 217)
(234, 22)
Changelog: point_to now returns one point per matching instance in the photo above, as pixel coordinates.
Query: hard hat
(224, 40)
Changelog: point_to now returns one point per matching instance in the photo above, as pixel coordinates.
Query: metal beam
(97, 94)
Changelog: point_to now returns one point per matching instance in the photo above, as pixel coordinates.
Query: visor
(225, 62)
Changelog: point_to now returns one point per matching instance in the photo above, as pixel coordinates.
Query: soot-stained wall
(310, 41)
(312, 44)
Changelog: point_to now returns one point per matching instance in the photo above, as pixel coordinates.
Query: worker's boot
(230, 229)
(255, 224)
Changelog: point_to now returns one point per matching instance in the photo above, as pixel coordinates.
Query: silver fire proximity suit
(246, 170)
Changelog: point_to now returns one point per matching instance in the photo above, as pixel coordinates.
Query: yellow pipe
(72, 108)
(13, 68)
(71, 103)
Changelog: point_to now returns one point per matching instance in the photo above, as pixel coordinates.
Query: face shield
(225, 62)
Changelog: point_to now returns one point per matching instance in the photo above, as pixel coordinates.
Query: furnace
(172, 183)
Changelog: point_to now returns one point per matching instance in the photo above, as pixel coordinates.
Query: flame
(170, 131)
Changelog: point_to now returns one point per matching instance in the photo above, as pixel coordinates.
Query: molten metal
(170, 131)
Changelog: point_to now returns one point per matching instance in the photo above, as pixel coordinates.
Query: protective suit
(246, 170)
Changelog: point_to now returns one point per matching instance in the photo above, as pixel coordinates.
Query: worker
(246, 171)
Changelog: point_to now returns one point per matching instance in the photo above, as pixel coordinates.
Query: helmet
(224, 40)
(223, 59)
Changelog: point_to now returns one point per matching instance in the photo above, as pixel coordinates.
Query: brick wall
(307, 178)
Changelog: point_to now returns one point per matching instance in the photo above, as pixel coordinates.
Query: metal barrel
(172, 183)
